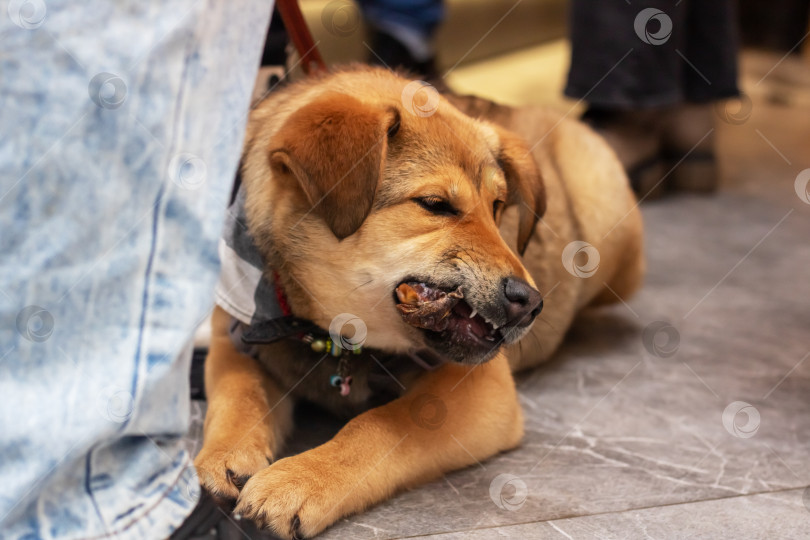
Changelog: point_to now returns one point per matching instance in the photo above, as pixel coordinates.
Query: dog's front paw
(223, 469)
(296, 497)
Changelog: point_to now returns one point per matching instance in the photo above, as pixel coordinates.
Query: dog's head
(370, 206)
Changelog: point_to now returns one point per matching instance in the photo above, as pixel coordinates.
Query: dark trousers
(626, 58)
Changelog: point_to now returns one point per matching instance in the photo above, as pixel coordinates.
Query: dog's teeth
(489, 338)
(472, 314)
(492, 324)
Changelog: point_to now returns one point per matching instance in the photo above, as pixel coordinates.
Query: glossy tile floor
(706, 435)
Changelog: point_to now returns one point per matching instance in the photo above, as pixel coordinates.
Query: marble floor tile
(781, 514)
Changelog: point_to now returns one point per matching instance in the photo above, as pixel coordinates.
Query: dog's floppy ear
(525, 184)
(335, 147)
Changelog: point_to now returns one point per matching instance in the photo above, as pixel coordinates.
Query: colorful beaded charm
(344, 383)
(341, 379)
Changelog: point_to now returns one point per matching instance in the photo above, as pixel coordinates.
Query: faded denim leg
(122, 124)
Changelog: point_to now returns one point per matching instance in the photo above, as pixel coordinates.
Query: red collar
(280, 296)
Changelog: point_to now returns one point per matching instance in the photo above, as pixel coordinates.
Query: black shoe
(209, 521)
(390, 52)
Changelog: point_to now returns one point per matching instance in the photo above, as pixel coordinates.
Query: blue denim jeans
(121, 124)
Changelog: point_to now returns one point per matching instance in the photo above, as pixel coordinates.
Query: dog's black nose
(522, 302)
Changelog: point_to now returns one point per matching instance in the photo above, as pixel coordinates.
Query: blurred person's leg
(688, 135)
(122, 126)
(642, 69)
(402, 33)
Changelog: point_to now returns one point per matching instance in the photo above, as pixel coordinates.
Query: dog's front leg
(449, 419)
(247, 415)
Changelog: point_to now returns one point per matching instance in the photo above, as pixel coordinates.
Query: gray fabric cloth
(243, 289)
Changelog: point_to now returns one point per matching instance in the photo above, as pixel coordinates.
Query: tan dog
(365, 202)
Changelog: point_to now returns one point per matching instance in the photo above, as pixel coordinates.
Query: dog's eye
(496, 206)
(436, 205)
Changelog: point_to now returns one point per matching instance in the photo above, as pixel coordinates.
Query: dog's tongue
(426, 307)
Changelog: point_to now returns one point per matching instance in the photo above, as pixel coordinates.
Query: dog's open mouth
(444, 312)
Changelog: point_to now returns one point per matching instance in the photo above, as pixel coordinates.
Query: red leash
(298, 30)
(312, 63)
